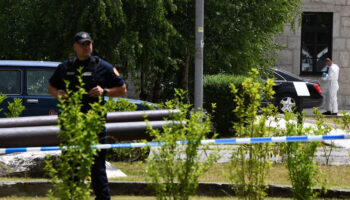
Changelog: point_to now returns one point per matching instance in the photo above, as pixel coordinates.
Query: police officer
(101, 79)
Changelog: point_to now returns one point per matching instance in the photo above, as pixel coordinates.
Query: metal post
(199, 44)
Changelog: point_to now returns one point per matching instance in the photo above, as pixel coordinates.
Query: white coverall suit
(331, 102)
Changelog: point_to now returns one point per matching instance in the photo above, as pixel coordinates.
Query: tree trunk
(157, 88)
(143, 95)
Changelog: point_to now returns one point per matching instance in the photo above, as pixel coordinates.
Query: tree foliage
(152, 40)
(240, 34)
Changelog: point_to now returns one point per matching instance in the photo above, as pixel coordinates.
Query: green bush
(78, 132)
(250, 162)
(300, 158)
(15, 108)
(174, 169)
(217, 91)
(2, 98)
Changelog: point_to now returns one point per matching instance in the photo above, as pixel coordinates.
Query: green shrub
(217, 91)
(2, 98)
(174, 169)
(15, 108)
(250, 162)
(300, 158)
(78, 132)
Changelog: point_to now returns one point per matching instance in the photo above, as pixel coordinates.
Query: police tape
(229, 141)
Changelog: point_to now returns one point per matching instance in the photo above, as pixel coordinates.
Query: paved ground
(309, 111)
(332, 156)
(336, 154)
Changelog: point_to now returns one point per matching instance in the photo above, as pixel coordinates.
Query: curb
(40, 188)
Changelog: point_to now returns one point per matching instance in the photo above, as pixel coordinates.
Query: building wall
(289, 58)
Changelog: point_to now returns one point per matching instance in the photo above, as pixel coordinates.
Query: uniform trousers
(99, 179)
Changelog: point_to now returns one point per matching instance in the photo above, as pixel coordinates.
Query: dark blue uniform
(96, 72)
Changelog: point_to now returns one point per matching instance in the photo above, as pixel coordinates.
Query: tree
(44, 30)
(240, 34)
(152, 40)
(147, 38)
(133, 33)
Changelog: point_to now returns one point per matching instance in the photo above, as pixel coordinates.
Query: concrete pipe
(130, 116)
(38, 136)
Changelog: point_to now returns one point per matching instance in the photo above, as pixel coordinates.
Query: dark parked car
(287, 98)
(28, 81)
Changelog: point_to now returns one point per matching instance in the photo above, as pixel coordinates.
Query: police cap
(82, 37)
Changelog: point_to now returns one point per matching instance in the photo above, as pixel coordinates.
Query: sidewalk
(309, 111)
(340, 148)
(336, 131)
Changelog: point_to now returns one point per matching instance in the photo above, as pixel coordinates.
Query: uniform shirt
(104, 75)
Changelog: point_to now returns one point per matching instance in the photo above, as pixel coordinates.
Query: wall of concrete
(289, 58)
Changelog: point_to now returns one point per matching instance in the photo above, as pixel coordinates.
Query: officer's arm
(116, 91)
(55, 92)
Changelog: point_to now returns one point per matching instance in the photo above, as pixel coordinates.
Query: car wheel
(288, 102)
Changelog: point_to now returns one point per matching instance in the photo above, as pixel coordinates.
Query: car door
(37, 99)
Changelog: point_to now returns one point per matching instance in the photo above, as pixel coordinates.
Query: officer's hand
(62, 93)
(96, 92)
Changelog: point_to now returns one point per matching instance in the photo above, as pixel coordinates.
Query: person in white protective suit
(331, 102)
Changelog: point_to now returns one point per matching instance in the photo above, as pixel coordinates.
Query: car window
(289, 76)
(10, 81)
(278, 77)
(37, 81)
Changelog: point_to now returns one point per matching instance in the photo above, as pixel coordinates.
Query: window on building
(316, 41)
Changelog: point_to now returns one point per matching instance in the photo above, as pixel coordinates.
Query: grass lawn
(338, 176)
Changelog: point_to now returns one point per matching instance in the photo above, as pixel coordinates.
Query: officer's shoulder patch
(116, 71)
